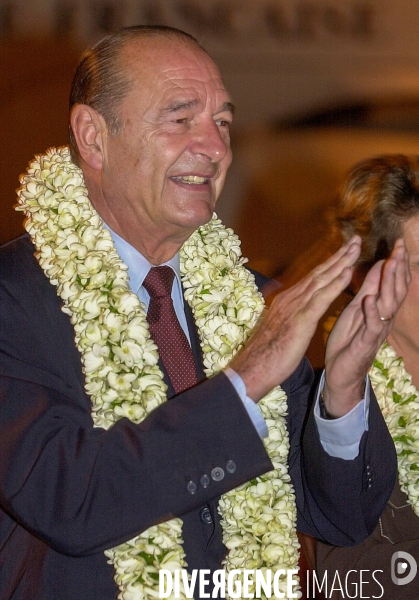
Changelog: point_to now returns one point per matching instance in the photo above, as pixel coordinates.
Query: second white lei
(120, 362)
(398, 399)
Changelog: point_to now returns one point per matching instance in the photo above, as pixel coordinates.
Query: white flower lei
(398, 399)
(120, 362)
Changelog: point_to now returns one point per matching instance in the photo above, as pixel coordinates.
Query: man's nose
(211, 140)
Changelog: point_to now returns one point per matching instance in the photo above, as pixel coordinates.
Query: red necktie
(174, 349)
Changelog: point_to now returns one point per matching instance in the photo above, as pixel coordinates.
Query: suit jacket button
(191, 487)
(217, 474)
(205, 481)
(231, 466)
(205, 516)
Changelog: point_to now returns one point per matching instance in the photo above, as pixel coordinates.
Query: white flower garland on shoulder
(398, 399)
(120, 362)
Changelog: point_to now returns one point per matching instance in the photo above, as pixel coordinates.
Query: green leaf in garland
(405, 439)
(397, 398)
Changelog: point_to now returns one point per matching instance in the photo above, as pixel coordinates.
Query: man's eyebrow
(181, 105)
(178, 105)
(229, 107)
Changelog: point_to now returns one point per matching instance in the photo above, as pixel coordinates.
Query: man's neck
(157, 249)
(138, 265)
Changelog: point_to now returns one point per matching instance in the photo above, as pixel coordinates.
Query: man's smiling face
(164, 172)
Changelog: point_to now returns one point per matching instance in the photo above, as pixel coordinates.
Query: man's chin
(191, 220)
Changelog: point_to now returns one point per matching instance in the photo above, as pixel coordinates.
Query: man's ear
(89, 130)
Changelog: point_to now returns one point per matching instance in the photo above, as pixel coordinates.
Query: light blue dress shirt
(339, 437)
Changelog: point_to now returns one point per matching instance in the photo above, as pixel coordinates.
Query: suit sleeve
(339, 501)
(83, 489)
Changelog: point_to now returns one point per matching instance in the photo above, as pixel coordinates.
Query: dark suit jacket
(68, 490)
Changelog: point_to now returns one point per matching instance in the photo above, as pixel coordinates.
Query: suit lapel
(195, 343)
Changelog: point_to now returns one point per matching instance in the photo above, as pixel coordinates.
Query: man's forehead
(181, 74)
(194, 95)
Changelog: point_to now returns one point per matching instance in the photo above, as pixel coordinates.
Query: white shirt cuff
(341, 437)
(251, 407)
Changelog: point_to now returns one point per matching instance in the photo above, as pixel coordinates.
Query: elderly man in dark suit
(91, 455)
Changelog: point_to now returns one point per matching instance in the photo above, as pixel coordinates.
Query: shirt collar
(138, 265)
